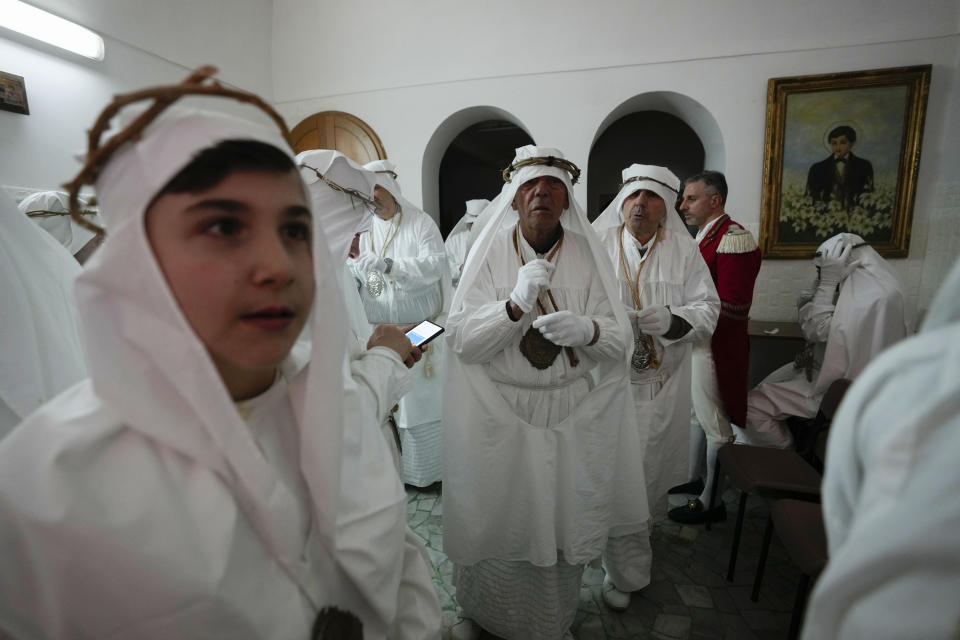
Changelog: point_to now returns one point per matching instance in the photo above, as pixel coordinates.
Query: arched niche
(464, 158)
(661, 127)
(341, 131)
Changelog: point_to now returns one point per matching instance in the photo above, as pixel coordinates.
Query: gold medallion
(539, 351)
(644, 354)
(374, 283)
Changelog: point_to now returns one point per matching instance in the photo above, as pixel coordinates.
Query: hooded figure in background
(541, 444)
(404, 279)
(379, 360)
(40, 353)
(669, 296)
(165, 496)
(856, 310)
(890, 489)
(51, 210)
(458, 241)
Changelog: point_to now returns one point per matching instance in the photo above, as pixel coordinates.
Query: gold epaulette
(737, 240)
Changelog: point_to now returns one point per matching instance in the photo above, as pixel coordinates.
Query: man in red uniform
(720, 367)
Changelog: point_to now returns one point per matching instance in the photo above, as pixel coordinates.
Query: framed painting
(13, 94)
(842, 151)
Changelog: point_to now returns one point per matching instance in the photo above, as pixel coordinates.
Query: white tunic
(673, 274)
(890, 492)
(541, 437)
(456, 245)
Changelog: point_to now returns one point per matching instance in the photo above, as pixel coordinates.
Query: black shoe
(694, 513)
(694, 488)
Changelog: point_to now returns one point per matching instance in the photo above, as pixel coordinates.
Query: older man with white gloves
(669, 296)
(855, 311)
(540, 466)
(404, 279)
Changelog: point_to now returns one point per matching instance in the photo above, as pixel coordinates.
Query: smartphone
(424, 333)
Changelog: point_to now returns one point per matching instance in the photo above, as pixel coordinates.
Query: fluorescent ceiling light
(46, 27)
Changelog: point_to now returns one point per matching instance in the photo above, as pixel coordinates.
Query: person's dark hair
(842, 130)
(714, 182)
(212, 165)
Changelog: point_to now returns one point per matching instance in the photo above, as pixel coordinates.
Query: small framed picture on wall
(842, 154)
(13, 94)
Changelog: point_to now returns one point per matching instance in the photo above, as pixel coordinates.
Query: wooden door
(341, 131)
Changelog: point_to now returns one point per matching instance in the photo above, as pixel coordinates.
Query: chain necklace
(644, 350)
(539, 351)
(374, 280)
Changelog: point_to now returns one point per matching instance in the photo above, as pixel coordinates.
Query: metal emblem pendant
(539, 351)
(374, 283)
(644, 354)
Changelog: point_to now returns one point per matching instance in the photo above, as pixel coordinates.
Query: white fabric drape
(62, 227)
(40, 353)
(890, 491)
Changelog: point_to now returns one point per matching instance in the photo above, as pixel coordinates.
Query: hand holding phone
(423, 333)
(392, 337)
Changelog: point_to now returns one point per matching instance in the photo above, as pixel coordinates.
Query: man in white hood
(404, 279)
(855, 311)
(668, 294)
(540, 466)
(458, 242)
(40, 353)
(51, 210)
(202, 482)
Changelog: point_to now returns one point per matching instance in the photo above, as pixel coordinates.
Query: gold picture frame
(808, 198)
(13, 94)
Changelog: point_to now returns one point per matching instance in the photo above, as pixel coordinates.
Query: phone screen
(424, 333)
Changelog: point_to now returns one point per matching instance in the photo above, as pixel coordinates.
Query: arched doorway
(473, 166)
(346, 133)
(662, 128)
(465, 158)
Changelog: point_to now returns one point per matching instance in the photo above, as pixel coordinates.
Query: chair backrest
(807, 445)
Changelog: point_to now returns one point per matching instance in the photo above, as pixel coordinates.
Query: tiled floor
(689, 597)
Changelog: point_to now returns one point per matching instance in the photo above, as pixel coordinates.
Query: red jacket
(733, 258)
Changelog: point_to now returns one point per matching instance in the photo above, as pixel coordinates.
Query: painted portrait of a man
(841, 176)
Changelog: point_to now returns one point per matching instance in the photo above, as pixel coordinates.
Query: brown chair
(774, 473)
(800, 527)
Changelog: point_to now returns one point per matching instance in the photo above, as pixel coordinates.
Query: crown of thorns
(353, 193)
(647, 178)
(392, 174)
(550, 161)
(198, 83)
(46, 213)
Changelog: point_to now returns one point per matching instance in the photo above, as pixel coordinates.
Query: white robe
(868, 316)
(890, 492)
(40, 353)
(527, 437)
(673, 275)
(456, 245)
(416, 289)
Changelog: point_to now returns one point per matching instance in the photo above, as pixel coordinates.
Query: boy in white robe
(539, 468)
(669, 295)
(458, 241)
(404, 278)
(201, 483)
(855, 311)
(890, 504)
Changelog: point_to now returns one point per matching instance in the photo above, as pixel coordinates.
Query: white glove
(532, 278)
(565, 328)
(833, 264)
(654, 321)
(371, 262)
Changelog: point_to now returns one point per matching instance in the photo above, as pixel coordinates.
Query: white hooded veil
(40, 353)
(660, 180)
(473, 209)
(870, 291)
(62, 227)
(610, 500)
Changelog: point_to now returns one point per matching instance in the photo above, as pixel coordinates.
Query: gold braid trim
(550, 161)
(97, 156)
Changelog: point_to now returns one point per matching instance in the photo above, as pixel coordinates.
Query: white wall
(561, 68)
(66, 92)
